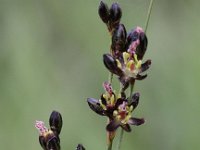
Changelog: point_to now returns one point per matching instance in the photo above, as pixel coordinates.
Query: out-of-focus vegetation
(51, 59)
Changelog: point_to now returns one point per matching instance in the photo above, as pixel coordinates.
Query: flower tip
(149, 62)
(55, 122)
(103, 12)
(95, 106)
(136, 121)
(139, 29)
(80, 147)
(115, 13)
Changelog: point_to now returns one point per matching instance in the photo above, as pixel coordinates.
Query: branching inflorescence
(125, 61)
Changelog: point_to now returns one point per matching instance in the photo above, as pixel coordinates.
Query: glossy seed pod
(111, 64)
(43, 142)
(134, 100)
(119, 40)
(95, 106)
(115, 13)
(138, 34)
(142, 47)
(103, 12)
(55, 122)
(53, 143)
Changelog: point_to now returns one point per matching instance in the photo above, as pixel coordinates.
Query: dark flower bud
(55, 122)
(132, 36)
(136, 121)
(115, 14)
(126, 127)
(43, 142)
(141, 77)
(48, 140)
(80, 147)
(137, 35)
(103, 12)
(142, 47)
(134, 100)
(145, 66)
(112, 126)
(119, 39)
(53, 143)
(111, 64)
(95, 106)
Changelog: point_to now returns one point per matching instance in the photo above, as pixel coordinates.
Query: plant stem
(120, 139)
(110, 77)
(131, 90)
(110, 145)
(148, 15)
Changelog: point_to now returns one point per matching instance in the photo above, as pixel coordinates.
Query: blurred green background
(51, 59)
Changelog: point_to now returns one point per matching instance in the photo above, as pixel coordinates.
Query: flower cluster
(49, 138)
(117, 108)
(124, 61)
(127, 50)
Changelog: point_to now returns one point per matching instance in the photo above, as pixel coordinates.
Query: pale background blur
(51, 59)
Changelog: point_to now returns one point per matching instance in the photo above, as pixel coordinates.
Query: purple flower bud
(137, 41)
(118, 40)
(53, 143)
(95, 106)
(111, 64)
(115, 13)
(134, 100)
(103, 12)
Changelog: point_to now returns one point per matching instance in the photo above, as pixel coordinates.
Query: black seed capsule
(119, 39)
(103, 12)
(53, 143)
(95, 106)
(134, 100)
(55, 122)
(43, 142)
(111, 64)
(115, 13)
(142, 47)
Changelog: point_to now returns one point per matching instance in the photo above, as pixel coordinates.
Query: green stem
(110, 145)
(110, 77)
(131, 90)
(148, 15)
(120, 139)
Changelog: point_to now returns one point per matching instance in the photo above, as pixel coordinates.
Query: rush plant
(124, 61)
